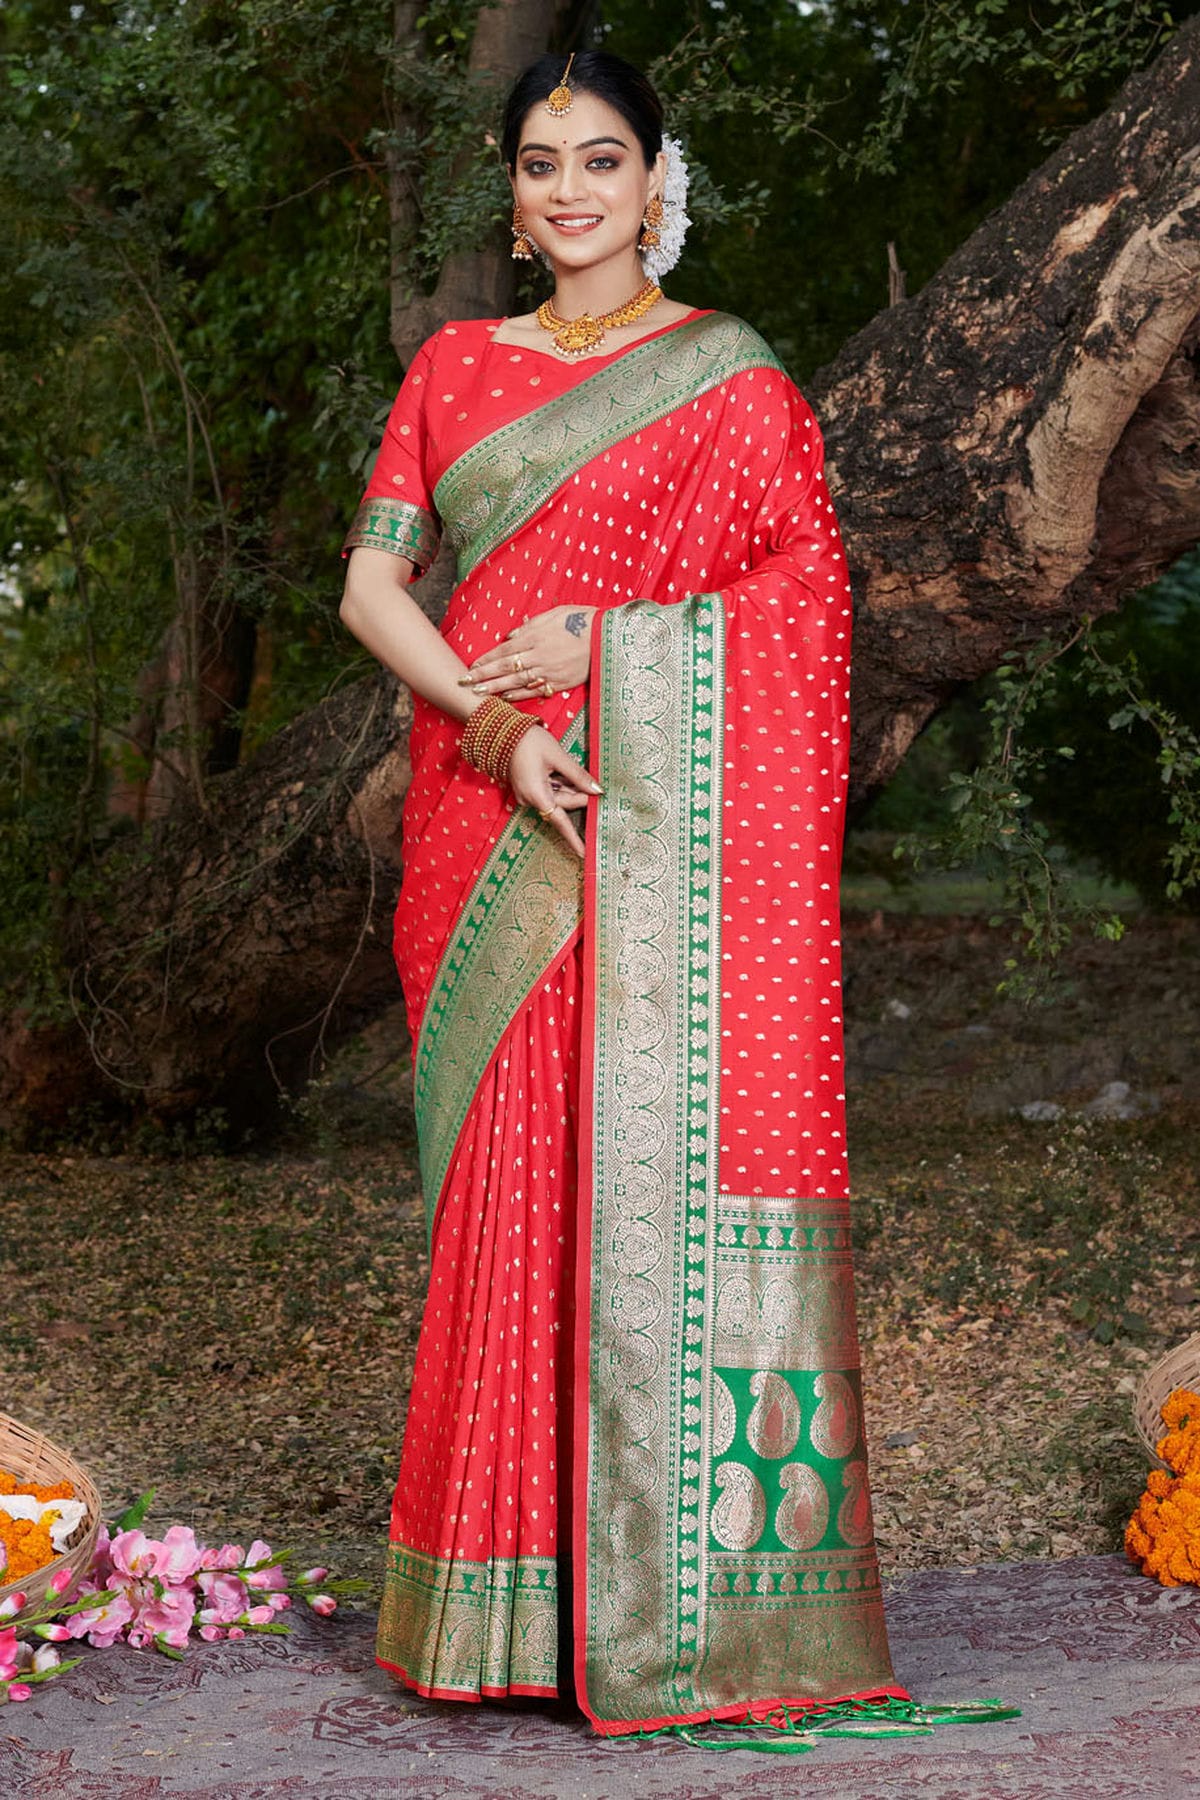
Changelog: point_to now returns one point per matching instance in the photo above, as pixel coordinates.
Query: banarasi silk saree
(638, 1371)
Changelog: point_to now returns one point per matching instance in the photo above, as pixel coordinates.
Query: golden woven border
(33, 1457)
(1179, 1368)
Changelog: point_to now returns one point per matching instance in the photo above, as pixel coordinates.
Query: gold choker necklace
(575, 336)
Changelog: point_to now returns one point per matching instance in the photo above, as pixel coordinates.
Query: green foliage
(1089, 748)
(204, 206)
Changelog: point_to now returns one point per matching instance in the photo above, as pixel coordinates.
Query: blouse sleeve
(397, 512)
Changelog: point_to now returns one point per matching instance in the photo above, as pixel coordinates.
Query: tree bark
(1016, 446)
(1019, 444)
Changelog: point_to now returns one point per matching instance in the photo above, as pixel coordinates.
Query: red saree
(640, 1340)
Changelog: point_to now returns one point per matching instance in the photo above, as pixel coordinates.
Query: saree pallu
(640, 1341)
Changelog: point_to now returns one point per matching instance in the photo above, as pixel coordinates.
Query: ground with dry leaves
(238, 1331)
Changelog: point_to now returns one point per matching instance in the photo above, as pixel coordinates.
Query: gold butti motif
(774, 1423)
(739, 1517)
(802, 1518)
(834, 1428)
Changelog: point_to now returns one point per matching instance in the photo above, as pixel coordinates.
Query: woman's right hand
(542, 775)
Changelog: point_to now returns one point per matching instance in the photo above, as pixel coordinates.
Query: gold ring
(548, 814)
(518, 665)
(547, 687)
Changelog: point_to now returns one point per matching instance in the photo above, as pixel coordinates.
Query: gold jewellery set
(575, 337)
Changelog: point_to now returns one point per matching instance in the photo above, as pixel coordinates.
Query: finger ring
(547, 687)
(549, 812)
(518, 665)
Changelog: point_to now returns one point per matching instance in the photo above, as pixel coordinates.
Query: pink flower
(103, 1623)
(46, 1658)
(212, 1634)
(133, 1554)
(313, 1577)
(272, 1578)
(323, 1605)
(18, 1690)
(12, 1606)
(101, 1567)
(60, 1582)
(168, 1616)
(54, 1634)
(277, 1602)
(179, 1555)
(225, 1597)
(8, 1645)
(229, 1556)
(259, 1552)
(258, 1615)
(235, 1631)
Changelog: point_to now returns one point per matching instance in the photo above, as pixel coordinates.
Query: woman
(640, 1339)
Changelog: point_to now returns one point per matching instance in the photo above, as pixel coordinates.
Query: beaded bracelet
(492, 733)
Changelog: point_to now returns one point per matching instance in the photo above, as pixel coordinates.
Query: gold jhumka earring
(559, 100)
(651, 220)
(522, 243)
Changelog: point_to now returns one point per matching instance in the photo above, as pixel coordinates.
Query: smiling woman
(638, 1359)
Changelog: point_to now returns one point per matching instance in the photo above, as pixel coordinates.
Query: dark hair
(599, 72)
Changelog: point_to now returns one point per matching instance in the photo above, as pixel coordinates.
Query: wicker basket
(1180, 1368)
(32, 1457)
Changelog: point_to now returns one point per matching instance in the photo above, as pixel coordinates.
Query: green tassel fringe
(787, 1732)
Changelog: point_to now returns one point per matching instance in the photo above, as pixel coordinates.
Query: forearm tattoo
(575, 623)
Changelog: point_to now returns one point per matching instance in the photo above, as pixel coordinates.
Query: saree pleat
(471, 1586)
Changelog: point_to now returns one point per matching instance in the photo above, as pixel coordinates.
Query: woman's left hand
(549, 653)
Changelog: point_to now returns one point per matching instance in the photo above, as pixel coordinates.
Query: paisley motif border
(398, 527)
(500, 482)
(522, 913)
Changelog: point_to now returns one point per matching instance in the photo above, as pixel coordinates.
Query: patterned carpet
(1105, 1664)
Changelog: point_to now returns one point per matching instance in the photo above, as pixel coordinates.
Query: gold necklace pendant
(576, 336)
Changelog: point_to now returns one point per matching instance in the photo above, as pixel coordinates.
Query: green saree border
(396, 526)
(457, 1628)
(522, 912)
(500, 483)
(657, 946)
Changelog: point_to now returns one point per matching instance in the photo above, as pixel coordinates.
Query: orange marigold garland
(1163, 1536)
(25, 1544)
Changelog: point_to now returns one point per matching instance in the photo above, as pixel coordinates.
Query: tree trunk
(1016, 446)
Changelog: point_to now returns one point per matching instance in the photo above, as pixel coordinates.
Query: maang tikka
(560, 100)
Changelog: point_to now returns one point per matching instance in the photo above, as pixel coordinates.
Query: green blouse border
(396, 526)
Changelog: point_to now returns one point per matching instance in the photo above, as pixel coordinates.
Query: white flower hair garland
(666, 253)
